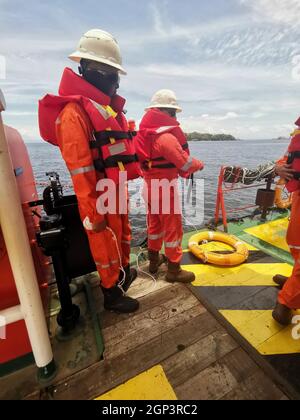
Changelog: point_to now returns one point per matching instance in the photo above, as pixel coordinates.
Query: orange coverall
(290, 294)
(74, 131)
(167, 228)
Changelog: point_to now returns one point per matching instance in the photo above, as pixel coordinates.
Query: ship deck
(212, 340)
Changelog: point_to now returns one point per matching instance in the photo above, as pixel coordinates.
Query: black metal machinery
(63, 238)
(266, 197)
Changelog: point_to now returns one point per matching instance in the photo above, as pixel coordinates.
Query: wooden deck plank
(147, 325)
(256, 387)
(182, 366)
(218, 379)
(108, 374)
(156, 298)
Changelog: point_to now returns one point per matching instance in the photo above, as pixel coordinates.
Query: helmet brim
(178, 109)
(77, 56)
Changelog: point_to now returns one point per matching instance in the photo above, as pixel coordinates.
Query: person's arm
(285, 171)
(73, 137)
(172, 151)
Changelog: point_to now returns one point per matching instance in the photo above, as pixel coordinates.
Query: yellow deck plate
(274, 233)
(252, 274)
(262, 332)
(151, 385)
(243, 275)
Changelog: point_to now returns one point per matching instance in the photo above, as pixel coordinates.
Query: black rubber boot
(282, 314)
(280, 280)
(156, 260)
(116, 301)
(131, 275)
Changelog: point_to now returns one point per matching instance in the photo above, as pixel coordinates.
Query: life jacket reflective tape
(116, 153)
(153, 125)
(294, 160)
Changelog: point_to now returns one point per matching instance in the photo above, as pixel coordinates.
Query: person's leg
(290, 294)
(289, 297)
(173, 235)
(154, 228)
(130, 273)
(106, 256)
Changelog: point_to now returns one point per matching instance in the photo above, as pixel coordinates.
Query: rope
(121, 283)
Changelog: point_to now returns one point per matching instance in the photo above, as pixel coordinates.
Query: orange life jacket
(111, 140)
(294, 160)
(153, 125)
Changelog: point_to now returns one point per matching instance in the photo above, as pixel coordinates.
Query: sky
(234, 64)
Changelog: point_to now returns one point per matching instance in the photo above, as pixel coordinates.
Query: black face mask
(108, 83)
(172, 113)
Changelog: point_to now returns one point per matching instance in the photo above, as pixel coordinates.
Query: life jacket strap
(149, 164)
(292, 156)
(297, 176)
(114, 162)
(102, 138)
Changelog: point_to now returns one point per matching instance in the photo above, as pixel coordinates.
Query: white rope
(147, 274)
(120, 283)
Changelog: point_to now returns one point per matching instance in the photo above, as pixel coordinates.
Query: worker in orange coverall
(87, 122)
(289, 297)
(164, 154)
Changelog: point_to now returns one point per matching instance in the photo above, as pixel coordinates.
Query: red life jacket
(153, 125)
(294, 160)
(111, 138)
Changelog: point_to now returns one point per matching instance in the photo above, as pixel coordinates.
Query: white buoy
(18, 248)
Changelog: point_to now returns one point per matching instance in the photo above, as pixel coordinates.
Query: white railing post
(18, 248)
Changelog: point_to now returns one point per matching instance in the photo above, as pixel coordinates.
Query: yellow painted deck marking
(251, 274)
(262, 332)
(243, 275)
(257, 326)
(273, 233)
(150, 385)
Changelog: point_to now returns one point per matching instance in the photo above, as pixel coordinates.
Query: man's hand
(285, 171)
(200, 165)
(99, 227)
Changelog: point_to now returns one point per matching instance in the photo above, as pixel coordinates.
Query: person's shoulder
(167, 137)
(73, 113)
(72, 109)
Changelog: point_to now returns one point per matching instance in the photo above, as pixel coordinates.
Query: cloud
(280, 11)
(20, 114)
(235, 69)
(228, 116)
(159, 26)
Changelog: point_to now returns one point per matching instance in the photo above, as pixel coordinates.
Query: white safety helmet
(165, 98)
(100, 46)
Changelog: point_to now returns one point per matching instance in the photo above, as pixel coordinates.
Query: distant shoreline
(195, 136)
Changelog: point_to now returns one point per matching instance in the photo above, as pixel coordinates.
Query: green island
(195, 136)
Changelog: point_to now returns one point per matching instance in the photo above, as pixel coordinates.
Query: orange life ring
(238, 257)
(280, 201)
